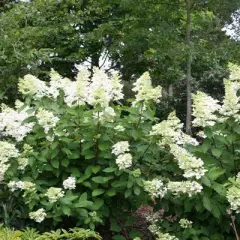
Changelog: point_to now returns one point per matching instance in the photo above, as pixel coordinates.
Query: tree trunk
(189, 69)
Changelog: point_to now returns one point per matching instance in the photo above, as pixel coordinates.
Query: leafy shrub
(32, 234)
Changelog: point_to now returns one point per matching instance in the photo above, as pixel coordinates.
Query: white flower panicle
(38, 216)
(145, 91)
(69, 183)
(46, 119)
(21, 185)
(22, 163)
(165, 236)
(11, 123)
(155, 188)
(54, 194)
(120, 147)
(233, 197)
(185, 187)
(185, 223)
(170, 132)
(30, 85)
(107, 115)
(7, 151)
(192, 166)
(231, 103)
(124, 161)
(204, 108)
(119, 128)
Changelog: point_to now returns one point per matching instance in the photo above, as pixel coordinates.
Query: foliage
(74, 155)
(32, 234)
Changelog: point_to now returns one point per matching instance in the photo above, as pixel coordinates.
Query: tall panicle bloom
(38, 216)
(30, 85)
(170, 132)
(145, 91)
(231, 105)
(204, 108)
(54, 194)
(192, 166)
(155, 188)
(11, 123)
(46, 119)
(7, 151)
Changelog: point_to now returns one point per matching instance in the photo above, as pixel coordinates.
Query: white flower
(185, 187)
(69, 183)
(145, 91)
(7, 151)
(54, 194)
(192, 166)
(119, 128)
(124, 161)
(38, 216)
(22, 163)
(233, 197)
(155, 188)
(204, 108)
(184, 223)
(120, 147)
(170, 132)
(32, 86)
(11, 123)
(46, 119)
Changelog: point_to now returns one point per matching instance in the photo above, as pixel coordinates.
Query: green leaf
(111, 192)
(110, 169)
(97, 192)
(83, 204)
(83, 197)
(207, 203)
(66, 210)
(65, 162)
(114, 226)
(55, 163)
(215, 173)
(127, 193)
(96, 169)
(136, 190)
(118, 237)
(206, 181)
(217, 152)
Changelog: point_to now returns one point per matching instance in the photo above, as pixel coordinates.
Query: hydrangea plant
(72, 149)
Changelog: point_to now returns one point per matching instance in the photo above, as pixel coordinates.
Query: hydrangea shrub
(73, 150)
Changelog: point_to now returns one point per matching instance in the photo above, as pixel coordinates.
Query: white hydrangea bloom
(165, 236)
(124, 161)
(155, 188)
(192, 166)
(20, 185)
(119, 128)
(46, 119)
(30, 85)
(185, 223)
(54, 194)
(145, 91)
(233, 197)
(170, 131)
(11, 123)
(56, 84)
(7, 151)
(185, 187)
(69, 183)
(38, 216)
(107, 115)
(204, 108)
(231, 103)
(117, 87)
(22, 163)
(120, 147)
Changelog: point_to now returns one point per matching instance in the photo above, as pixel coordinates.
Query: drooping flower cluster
(185, 187)
(155, 188)
(54, 194)
(124, 159)
(233, 195)
(7, 151)
(184, 223)
(46, 119)
(204, 108)
(11, 123)
(170, 132)
(145, 91)
(69, 183)
(192, 166)
(38, 216)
